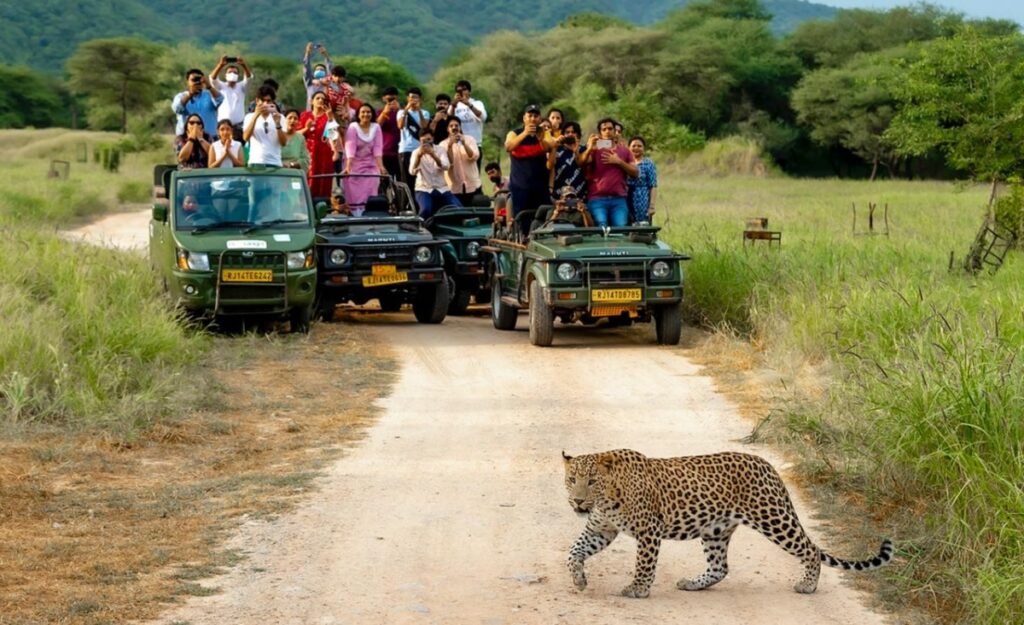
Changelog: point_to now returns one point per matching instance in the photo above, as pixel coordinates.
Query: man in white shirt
(470, 112)
(428, 165)
(264, 130)
(233, 90)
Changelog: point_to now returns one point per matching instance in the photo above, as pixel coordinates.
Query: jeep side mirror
(321, 210)
(159, 212)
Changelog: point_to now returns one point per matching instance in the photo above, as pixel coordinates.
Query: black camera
(196, 79)
(231, 59)
(571, 203)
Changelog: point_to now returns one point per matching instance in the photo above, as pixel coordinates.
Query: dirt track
(453, 511)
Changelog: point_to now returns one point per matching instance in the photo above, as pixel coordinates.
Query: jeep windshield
(362, 225)
(241, 202)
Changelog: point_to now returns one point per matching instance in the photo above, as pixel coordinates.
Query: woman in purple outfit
(364, 147)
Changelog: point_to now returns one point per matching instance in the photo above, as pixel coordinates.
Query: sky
(1003, 9)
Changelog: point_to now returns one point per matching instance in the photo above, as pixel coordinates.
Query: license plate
(247, 275)
(617, 295)
(384, 270)
(393, 278)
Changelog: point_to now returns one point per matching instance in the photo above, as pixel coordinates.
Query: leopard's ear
(606, 462)
(566, 457)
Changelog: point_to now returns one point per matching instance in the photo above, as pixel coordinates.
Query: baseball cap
(531, 108)
(567, 191)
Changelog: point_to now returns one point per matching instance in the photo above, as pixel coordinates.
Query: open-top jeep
(385, 253)
(234, 242)
(466, 229)
(585, 274)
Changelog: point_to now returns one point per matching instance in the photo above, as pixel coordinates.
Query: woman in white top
(225, 152)
(264, 130)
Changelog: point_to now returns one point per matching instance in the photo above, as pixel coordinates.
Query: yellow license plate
(384, 270)
(394, 278)
(617, 295)
(247, 275)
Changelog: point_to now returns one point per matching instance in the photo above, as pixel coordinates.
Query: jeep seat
(377, 205)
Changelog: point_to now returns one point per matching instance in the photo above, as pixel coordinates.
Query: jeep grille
(400, 255)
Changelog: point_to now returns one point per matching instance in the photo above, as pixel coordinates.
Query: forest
(834, 97)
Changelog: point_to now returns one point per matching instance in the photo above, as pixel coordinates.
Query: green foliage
(594, 21)
(29, 99)
(853, 105)
(1008, 211)
(728, 9)
(963, 97)
(115, 75)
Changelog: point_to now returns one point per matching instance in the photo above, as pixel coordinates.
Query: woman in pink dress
(364, 147)
(320, 149)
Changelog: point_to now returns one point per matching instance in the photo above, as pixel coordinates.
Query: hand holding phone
(603, 144)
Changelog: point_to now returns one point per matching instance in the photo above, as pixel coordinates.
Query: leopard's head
(584, 480)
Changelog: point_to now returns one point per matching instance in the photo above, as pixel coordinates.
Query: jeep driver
(568, 209)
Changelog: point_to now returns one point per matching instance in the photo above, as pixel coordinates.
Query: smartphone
(603, 143)
(231, 59)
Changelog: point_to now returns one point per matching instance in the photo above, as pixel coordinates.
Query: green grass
(88, 340)
(923, 411)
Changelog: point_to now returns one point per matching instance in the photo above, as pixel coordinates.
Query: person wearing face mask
(233, 90)
(317, 77)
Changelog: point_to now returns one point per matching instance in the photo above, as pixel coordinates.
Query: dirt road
(453, 509)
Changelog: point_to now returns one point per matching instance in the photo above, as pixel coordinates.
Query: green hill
(420, 35)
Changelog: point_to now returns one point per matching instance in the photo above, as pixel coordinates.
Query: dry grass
(99, 531)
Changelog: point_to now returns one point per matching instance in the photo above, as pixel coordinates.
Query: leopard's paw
(579, 578)
(635, 592)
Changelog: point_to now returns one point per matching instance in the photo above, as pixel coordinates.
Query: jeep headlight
(193, 261)
(423, 254)
(300, 260)
(660, 270)
(338, 257)
(567, 272)
(473, 249)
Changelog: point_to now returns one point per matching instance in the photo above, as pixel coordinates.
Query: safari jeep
(235, 242)
(466, 229)
(385, 254)
(584, 275)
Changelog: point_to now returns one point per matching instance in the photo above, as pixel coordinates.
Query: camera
(572, 202)
(231, 59)
(196, 79)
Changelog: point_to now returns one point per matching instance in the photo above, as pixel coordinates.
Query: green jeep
(385, 253)
(466, 229)
(235, 242)
(585, 274)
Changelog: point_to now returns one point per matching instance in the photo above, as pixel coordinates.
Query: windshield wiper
(222, 224)
(272, 222)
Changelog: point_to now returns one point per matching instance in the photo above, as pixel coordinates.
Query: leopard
(683, 498)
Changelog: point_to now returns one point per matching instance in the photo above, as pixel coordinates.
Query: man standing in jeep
(528, 147)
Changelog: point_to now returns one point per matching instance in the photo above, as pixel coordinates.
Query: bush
(133, 192)
(1009, 211)
(732, 156)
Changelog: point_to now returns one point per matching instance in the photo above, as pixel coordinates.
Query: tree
(853, 105)
(962, 97)
(115, 74)
(28, 99)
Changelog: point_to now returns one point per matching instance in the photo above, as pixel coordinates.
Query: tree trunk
(874, 169)
(124, 107)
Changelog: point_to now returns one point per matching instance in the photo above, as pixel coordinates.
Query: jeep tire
(503, 316)
(668, 324)
(542, 317)
(431, 302)
(300, 316)
(460, 300)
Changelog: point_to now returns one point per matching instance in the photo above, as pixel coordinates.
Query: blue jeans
(428, 200)
(607, 211)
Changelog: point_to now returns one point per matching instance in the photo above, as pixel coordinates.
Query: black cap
(532, 108)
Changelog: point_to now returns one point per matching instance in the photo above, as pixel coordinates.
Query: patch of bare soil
(98, 530)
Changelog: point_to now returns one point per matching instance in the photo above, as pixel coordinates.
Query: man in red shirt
(388, 120)
(607, 163)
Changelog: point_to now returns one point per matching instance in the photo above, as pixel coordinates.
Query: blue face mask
(318, 74)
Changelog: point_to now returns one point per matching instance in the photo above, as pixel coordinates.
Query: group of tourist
(437, 153)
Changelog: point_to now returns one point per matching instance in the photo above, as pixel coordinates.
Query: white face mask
(232, 77)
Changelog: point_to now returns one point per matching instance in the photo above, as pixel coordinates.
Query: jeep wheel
(391, 302)
(300, 317)
(668, 324)
(431, 303)
(503, 316)
(542, 318)
(460, 301)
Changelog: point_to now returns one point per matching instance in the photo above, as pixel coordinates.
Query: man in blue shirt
(200, 98)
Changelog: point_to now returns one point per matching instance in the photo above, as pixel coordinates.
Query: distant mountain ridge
(42, 34)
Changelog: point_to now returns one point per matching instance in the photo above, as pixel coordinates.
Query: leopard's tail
(883, 558)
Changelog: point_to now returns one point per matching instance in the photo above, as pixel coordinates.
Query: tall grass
(924, 411)
(88, 341)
